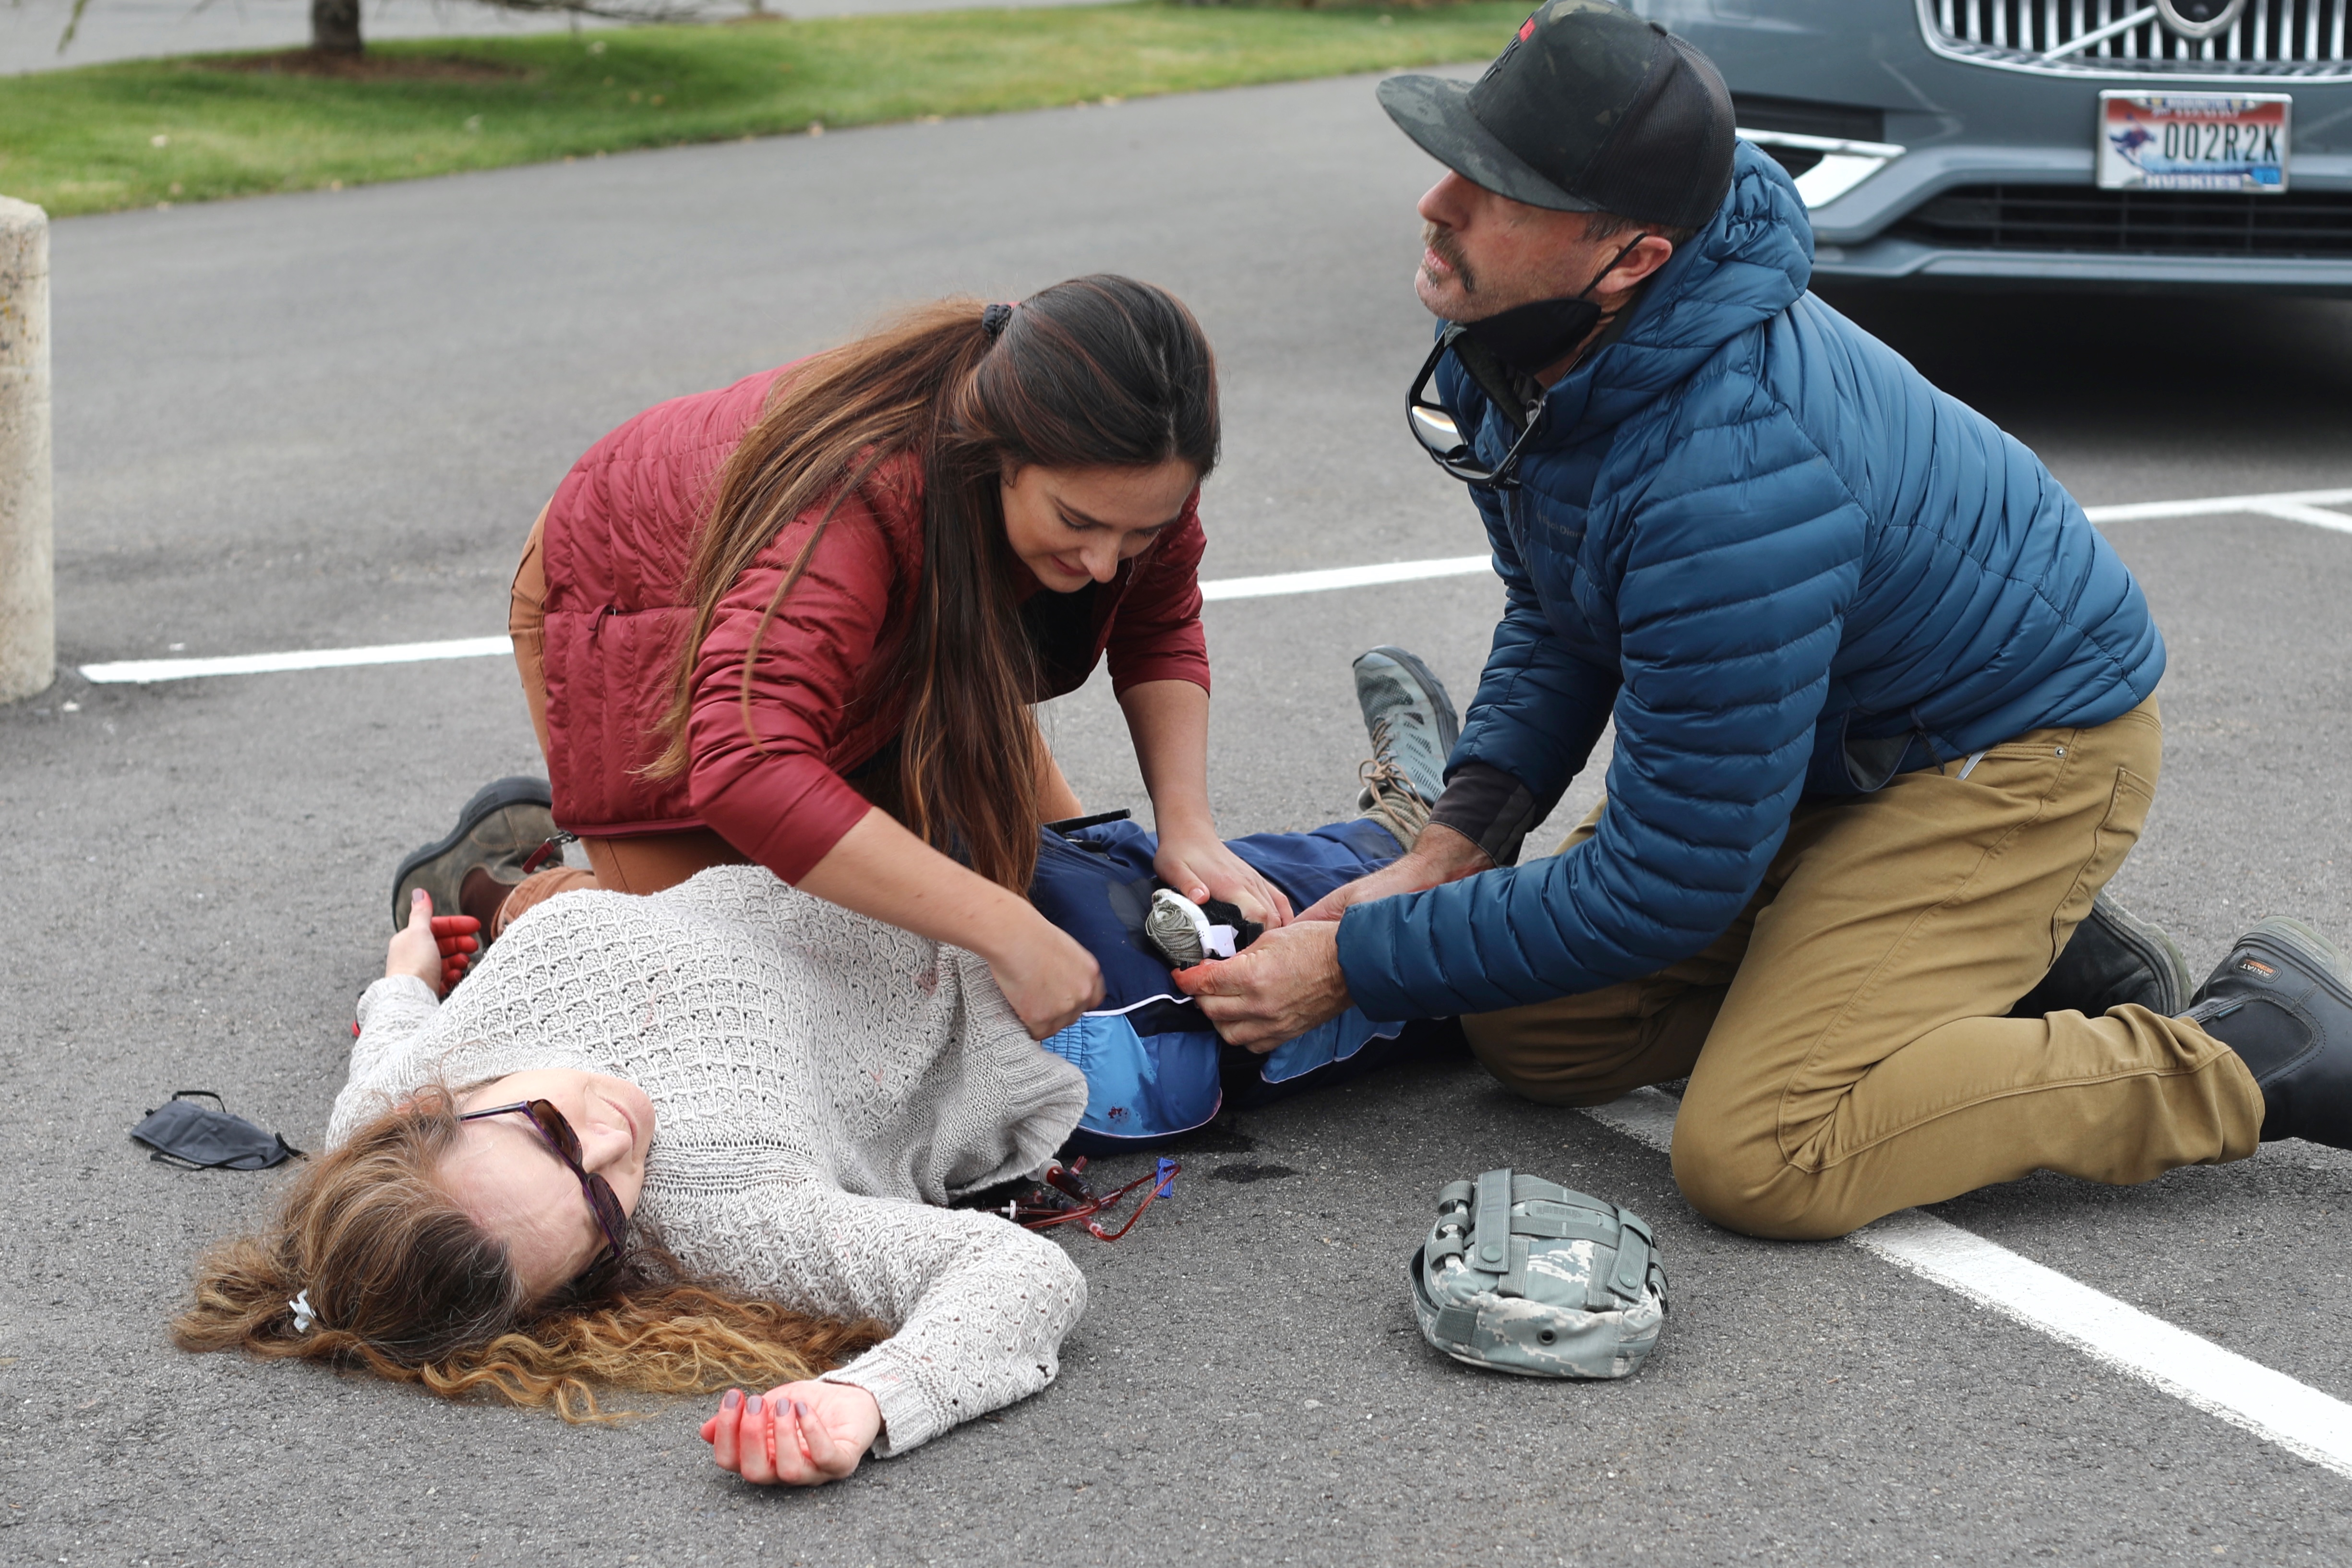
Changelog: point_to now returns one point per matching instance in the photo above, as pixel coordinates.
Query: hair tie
(992, 321)
(306, 1317)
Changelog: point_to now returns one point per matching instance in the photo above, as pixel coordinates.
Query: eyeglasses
(1433, 426)
(611, 1217)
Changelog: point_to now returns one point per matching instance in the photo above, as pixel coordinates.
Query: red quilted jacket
(618, 539)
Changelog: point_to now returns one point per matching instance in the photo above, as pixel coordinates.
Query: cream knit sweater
(820, 1082)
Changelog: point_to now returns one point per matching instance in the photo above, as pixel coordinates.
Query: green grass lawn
(112, 136)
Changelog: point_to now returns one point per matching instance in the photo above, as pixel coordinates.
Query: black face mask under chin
(1505, 355)
(1529, 338)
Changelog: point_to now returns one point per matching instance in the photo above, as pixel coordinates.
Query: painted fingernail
(733, 1397)
(751, 1406)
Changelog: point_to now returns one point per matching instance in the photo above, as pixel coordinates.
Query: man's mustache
(1441, 241)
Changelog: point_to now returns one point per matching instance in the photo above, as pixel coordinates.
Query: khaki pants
(1844, 1039)
(645, 864)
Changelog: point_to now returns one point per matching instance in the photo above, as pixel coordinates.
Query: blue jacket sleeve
(1540, 708)
(1731, 569)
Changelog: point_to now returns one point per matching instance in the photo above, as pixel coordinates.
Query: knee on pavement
(1738, 1178)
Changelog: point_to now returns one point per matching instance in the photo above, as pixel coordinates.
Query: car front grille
(2134, 223)
(2289, 39)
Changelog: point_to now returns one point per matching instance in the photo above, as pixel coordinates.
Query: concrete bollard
(28, 619)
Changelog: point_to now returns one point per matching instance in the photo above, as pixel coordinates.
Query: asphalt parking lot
(327, 420)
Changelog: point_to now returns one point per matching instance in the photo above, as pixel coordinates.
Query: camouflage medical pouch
(1523, 1275)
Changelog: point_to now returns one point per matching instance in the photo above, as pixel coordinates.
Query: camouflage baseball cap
(1588, 109)
(1524, 1275)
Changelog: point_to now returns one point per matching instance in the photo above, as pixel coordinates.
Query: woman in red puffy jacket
(802, 620)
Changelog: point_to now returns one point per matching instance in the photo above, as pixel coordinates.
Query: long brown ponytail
(404, 1283)
(1099, 371)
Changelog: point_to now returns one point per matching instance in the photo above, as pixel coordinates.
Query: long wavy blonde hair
(403, 1282)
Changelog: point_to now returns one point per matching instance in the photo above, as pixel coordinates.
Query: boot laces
(1381, 769)
(1383, 778)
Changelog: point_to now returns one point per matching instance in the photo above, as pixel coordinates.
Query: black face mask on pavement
(208, 1137)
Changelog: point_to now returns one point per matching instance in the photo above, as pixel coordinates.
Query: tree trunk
(335, 26)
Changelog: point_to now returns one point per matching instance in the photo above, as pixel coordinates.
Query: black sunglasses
(611, 1217)
(1433, 426)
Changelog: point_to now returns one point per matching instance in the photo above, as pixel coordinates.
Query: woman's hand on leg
(797, 1434)
(1046, 974)
(1202, 867)
(1169, 723)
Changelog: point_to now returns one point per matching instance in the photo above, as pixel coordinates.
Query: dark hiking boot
(2113, 958)
(1413, 727)
(2283, 1001)
(500, 829)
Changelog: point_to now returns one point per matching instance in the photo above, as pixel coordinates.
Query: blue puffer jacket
(1760, 541)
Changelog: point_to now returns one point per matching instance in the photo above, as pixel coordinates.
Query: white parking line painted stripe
(2269, 1404)
(2293, 505)
(1344, 576)
(2219, 1382)
(148, 670)
(2318, 518)
(2302, 502)
(308, 659)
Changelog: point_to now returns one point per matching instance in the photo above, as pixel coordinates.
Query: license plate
(2193, 141)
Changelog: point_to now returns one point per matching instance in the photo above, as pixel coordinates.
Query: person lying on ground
(1883, 700)
(800, 622)
(668, 1142)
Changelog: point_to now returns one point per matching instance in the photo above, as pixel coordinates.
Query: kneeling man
(1884, 710)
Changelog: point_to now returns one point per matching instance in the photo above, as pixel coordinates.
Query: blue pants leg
(1152, 1064)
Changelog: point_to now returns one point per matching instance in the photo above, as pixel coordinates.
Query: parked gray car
(2144, 144)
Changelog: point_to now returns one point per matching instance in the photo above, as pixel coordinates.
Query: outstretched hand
(436, 948)
(1441, 855)
(1278, 987)
(795, 1435)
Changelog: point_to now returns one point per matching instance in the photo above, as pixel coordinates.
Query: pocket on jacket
(2118, 830)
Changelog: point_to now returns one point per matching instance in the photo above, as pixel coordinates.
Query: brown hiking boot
(501, 830)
